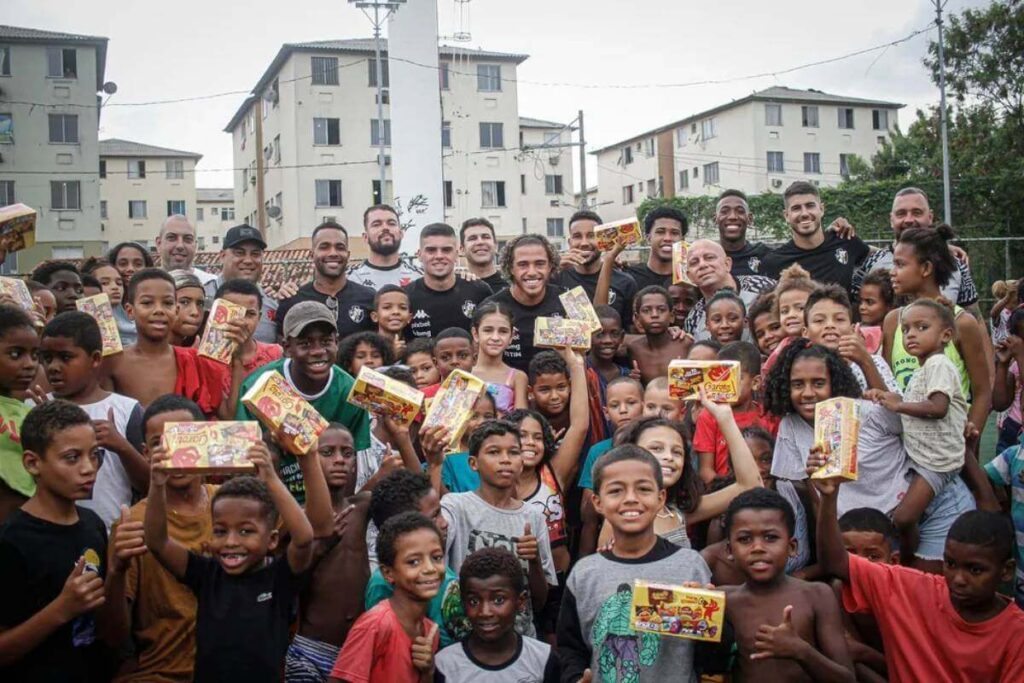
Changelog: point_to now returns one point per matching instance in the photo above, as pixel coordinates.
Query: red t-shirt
(925, 638)
(707, 437)
(378, 649)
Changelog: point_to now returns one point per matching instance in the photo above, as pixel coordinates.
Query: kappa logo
(754, 263)
(263, 597)
(467, 308)
(356, 314)
(421, 315)
(842, 256)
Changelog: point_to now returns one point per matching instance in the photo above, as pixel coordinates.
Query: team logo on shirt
(467, 308)
(842, 256)
(612, 296)
(356, 314)
(754, 263)
(263, 597)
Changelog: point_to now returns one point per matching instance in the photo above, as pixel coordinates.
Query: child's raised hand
(722, 412)
(398, 344)
(433, 441)
(423, 651)
(38, 395)
(341, 521)
(780, 641)
(82, 592)
(526, 545)
(107, 435)
(127, 541)
(259, 455)
(852, 347)
(158, 461)
(236, 332)
(817, 459)
(396, 430)
(634, 373)
(391, 462)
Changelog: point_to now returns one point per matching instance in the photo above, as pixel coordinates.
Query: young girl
(795, 285)
(876, 297)
(933, 413)
(191, 298)
(492, 333)
(1007, 299)
(364, 348)
(419, 357)
(765, 328)
(127, 258)
(725, 317)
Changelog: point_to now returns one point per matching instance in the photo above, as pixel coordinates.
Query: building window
(844, 165)
(491, 135)
(216, 239)
(681, 137)
(328, 193)
(809, 116)
(277, 149)
(103, 168)
(556, 227)
(812, 162)
(176, 207)
(377, 198)
(627, 155)
(652, 188)
(446, 134)
(684, 180)
(326, 131)
(325, 70)
(488, 77)
(5, 60)
(649, 147)
(711, 173)
(552, 184)
(175, 169)
(627, 194)
(708, 129)
(492, 194)
(136, 168)
(6, 129)
(375, 132)
(226, 215)
(103, 208)
(449, 199)
(880, 119)
(776, 163)
(64, 128)
(372, 68)
(65, 195)
(61, 62)
(137, 208)
(773, 114)
(522, 184)
(199, 214)
(6, 192)
(846, 117)
(443, 75)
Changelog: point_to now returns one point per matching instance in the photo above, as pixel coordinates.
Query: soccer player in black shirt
(733, 217)
(478, 244)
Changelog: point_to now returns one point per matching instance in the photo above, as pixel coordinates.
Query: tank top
(547, 498)
(904, 365)
(503, 394)
(678, 535)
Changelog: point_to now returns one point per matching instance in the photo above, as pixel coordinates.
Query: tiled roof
(527, 122)
(115, 147)
(20, 34)
(279, 266)
(215, 194)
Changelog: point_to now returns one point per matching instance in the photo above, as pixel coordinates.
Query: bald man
(176, 245)
(708, 267)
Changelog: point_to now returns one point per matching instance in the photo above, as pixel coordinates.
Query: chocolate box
(837, 431)
(560, 333)
(378, 393)
(625, 232)
(453, 404)
(16, 290)
(215, 343)
(677, 611)
(210, 447)
(679, 251)
(17, 227)
(295, 424)
(98, 306)
(720, 379)
(577, 306)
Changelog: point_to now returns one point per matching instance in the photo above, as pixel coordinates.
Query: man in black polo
(733, 218)
(349, 301)
(441, 299)
(663, 226)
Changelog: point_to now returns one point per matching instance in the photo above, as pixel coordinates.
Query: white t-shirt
(883, 369)
(203, 276)
(936, 445)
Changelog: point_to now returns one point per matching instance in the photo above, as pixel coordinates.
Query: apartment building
(759, 143)
(49, 142)
(215, 213)
(306, 141)
(140, 186)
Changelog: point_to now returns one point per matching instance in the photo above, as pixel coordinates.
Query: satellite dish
(274, 211)
(110, 87)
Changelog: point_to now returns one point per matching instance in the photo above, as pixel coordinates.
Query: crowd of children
(392, 552)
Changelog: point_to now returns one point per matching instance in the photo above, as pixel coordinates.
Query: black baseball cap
(243, 233)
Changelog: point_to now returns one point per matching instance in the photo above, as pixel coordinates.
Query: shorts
(954, 500)
(937, 480)
(309, 661)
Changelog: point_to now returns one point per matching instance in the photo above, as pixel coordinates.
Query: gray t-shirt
(474, 524)
(882, 466)
(883, 369)
(534, 662)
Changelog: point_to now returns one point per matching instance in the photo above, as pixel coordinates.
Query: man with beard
(478, 246)
(385, 265)
(176, 245)
(581, 265)
(350, 302)
(242, 257)
(526, 263)
(708, 267)
(910, 209)
(441, 299)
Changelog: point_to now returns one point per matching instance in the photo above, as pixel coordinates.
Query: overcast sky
(199, 47)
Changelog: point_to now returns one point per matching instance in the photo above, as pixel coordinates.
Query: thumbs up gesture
(634, 372)
(423, 651)
(126, 541)
(780, 641)
(107, 435)
(526, 545)
(82, 592)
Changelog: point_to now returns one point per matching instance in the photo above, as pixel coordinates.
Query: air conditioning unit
(554, 202)
(776, 183)
(553, 159)
(252, 180)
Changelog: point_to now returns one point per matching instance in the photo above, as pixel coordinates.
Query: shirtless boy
(652, 309)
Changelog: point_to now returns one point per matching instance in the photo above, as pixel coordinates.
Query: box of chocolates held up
(577, 306)
(625, 232)
(210, 447)
(561, 333)
(378, 393)
(453, 404)
(295, 423)
(17, 291)
(680, 250)
(215, 343)
(836, 431)
(98, 306)
(720, 379)
(669, 610)
(17, 227)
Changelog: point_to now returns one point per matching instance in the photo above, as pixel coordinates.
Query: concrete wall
(537, 204)
(156, 189)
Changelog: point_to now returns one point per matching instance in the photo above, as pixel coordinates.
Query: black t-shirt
(834, 261)
(521, 350)
(620, 296)
(495, 281)
(36, 558)
(353, 305)
(643, 276)
(433, 311)
(749, 260)
(241, 621)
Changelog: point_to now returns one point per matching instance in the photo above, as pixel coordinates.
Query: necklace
(665, 513)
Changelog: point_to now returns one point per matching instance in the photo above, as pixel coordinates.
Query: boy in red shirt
(708, 442)
(953, 627)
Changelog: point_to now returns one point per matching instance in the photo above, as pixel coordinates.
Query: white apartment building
(49, 147)
(760, 143)
(140, 186)
(215, 213)
(310, 133)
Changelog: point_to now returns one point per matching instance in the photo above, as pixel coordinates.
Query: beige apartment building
(215, 213)
(759, 143)
(310, 132)
(49, 149)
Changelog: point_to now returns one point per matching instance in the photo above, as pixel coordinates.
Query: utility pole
(946, 204)
(584, 203)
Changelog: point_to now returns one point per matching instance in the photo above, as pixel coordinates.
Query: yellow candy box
(625, 232)
(98, 306)
(378, 393)
(295, 423)
(720, 379)
(668, 610)
(836, 431)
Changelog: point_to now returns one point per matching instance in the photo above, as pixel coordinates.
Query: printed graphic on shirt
(621, 651)
(467, 308)
(83, 628)
(754, 263)
(842, 256)
(356, 314)
(454, 616)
